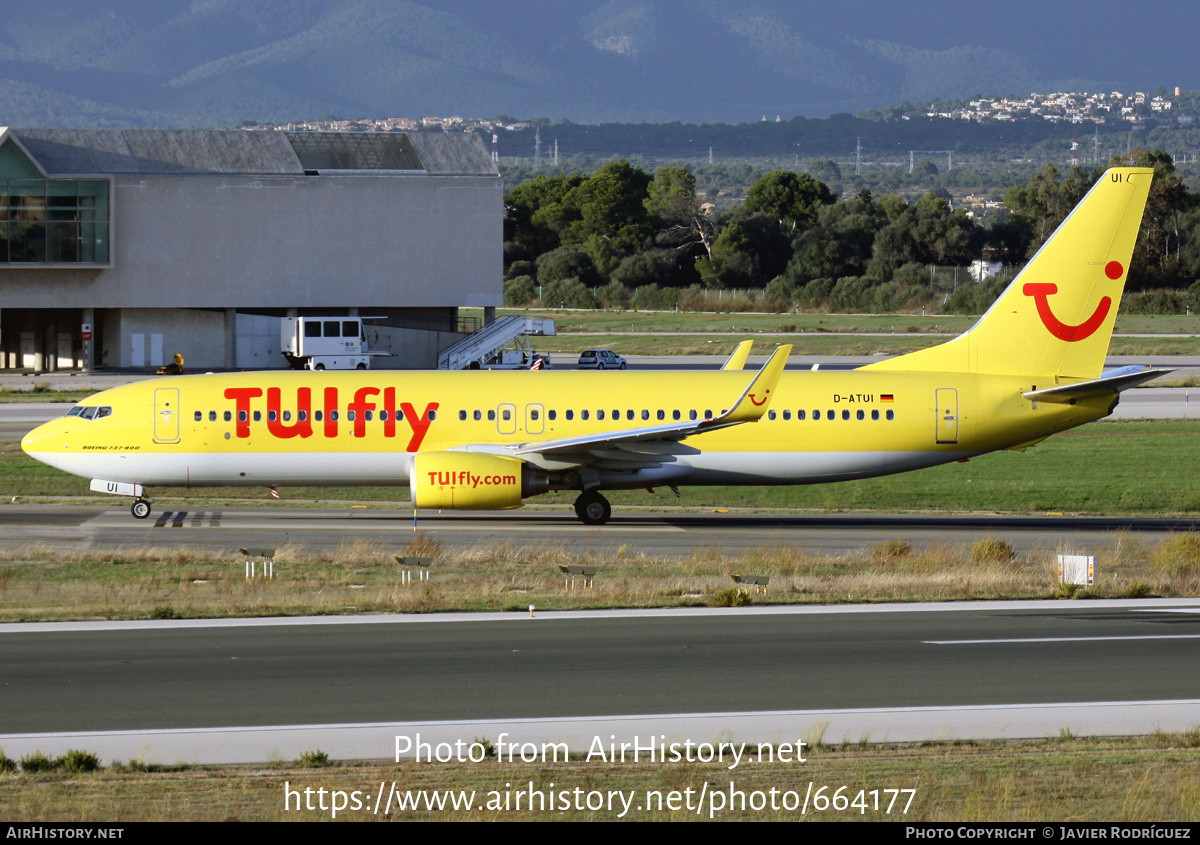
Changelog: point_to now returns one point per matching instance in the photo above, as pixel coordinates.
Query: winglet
(756, 398)
(737, 360)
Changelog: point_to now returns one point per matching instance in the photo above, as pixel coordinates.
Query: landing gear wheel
(140, 509)
(592, 508)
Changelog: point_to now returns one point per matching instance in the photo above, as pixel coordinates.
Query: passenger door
(947, 415)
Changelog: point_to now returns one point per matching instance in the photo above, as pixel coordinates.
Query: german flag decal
(886, 397)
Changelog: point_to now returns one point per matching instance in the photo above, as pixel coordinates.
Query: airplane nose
(43, 443)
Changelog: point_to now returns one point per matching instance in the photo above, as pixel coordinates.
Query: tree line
(621, 237)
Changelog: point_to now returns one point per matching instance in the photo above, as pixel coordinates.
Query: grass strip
(672, 321)
(1139, 779)
(40, 584)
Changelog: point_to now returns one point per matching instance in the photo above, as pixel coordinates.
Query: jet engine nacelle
(472, 481)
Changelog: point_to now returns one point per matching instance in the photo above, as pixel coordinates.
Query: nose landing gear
(140, 509)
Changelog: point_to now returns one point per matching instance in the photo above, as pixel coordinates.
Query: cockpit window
(90, 412)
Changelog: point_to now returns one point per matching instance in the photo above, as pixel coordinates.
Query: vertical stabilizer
(1056, 318)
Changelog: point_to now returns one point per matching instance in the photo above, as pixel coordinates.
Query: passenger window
(399, 416)
(708, 414)
(491, 416)
(462, 416)
(629, 415)
(862, 415)
(831, 415)
(350, 415)
(333, 416)
(506, 414)
(553, 415)
(533, 415)
(799, 415)
(771, 414)
(662, 415)
(271, 416)
(228, 416)
(645, 414)
(891, 415)
(583, 415)
(242, 416)
(570, 415)
(212, 416)
(477, 416)
(816, 415)
(287, 416)
(318, 416)
(676, 415)
(600, 415)
(258, 416)
(302, 415)
(199, 416)
(692, 414)
(875, 415)
(787, 415)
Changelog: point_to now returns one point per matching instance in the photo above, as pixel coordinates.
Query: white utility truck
(324, 343)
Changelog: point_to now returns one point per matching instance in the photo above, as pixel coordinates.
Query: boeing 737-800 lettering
(1031, 366)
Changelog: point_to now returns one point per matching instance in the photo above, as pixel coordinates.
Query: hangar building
(196, 242)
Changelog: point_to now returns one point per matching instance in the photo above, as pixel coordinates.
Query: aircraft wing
(1113, 381)
(750, 406)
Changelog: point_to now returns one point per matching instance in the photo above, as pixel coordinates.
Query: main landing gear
(592, 508)
(140, 509)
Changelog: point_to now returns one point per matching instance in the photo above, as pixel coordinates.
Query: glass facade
(50, 221)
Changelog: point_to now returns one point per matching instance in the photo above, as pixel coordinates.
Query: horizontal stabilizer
(1114, 381)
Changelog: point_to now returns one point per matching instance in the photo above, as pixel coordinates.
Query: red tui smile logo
(1041, 293)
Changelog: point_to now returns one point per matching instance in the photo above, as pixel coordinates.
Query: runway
(244, 690)
(668, 532)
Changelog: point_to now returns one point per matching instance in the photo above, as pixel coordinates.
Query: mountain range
(192, 63)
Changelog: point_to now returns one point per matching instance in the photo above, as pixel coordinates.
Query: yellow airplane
(1031, 366)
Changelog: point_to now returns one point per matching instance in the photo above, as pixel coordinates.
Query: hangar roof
(75, 152)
